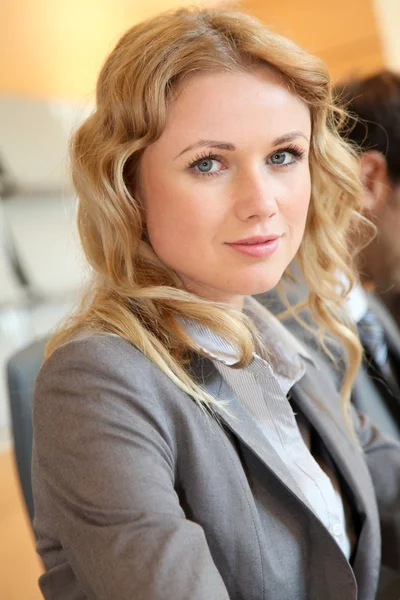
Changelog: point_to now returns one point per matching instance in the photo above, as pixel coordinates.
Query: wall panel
(342, 32)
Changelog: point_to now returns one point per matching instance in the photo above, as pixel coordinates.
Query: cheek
(168, 224)
(179, 221)
(296, 204)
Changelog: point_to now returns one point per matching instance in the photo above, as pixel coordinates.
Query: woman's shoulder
(103, 373)
(102, 351)
(99, 399)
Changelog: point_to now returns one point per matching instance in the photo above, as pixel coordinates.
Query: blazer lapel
(243, 426)
(317, 398)
(320, 404)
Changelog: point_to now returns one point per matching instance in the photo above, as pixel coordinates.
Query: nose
(254, 196)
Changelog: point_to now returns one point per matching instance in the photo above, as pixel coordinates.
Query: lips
(257, 239)
(258, 246)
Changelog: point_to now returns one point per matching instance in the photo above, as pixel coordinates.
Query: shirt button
(336, 529)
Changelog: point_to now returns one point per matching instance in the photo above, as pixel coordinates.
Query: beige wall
(342, 32)
(388, 19)
(54, 48)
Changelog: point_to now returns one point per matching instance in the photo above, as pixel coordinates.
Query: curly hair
(134, 295)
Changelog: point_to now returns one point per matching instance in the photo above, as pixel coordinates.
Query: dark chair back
(22, 369)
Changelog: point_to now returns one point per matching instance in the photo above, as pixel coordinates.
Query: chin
(259, 285)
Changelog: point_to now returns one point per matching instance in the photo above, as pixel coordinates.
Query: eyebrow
(283, 139)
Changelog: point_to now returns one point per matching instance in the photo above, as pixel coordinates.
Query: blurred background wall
(388, 20)
(54, 48)
(343, 33)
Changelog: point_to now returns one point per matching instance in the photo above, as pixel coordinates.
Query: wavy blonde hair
(132, 293)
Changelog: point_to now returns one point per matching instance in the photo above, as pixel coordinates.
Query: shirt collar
(357, 302)
(356, 299)
(284, 350)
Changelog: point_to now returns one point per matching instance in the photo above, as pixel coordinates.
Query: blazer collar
(284, 348)
(318, 399)
(242, 424)
(319, 404)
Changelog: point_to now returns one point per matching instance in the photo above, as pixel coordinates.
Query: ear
(375, 181)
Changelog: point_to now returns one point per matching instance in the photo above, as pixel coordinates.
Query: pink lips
(257, 246)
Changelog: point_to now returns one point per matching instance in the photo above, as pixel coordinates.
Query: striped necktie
(372, 337)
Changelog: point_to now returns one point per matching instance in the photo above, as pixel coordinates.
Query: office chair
(22, 369)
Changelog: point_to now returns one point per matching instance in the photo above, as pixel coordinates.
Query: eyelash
(296, 151)
(203, 156)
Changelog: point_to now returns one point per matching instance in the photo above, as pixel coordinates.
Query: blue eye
(286, 156)
(282, 158)
(205, 165)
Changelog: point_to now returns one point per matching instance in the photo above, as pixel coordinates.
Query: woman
(168, 461)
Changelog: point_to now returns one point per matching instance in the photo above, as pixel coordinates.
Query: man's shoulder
(391, 328)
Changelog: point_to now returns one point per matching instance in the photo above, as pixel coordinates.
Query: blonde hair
(133, 294)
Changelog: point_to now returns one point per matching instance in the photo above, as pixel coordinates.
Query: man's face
(388, 242)
(381, 259)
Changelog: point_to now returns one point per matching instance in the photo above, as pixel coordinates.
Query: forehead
(228, 104)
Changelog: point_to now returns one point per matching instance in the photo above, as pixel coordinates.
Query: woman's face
(226, 187)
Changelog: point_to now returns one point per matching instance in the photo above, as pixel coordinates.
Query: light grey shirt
(357, 302)
(262, 387)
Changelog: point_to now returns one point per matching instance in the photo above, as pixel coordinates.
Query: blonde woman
(186, 445)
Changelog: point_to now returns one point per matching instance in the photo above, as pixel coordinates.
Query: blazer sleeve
(382, 454)
(105, 461)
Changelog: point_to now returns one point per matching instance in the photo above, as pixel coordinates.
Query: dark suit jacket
(139, 495)
(365, 402)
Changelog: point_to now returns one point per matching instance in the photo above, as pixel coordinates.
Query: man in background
(375, 103)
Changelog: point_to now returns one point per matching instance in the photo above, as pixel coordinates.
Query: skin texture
(260, 187)
(380, 260)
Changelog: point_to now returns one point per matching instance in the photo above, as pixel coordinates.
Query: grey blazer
(140, 496)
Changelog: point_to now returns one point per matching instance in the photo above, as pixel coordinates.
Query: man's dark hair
(375, 103)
